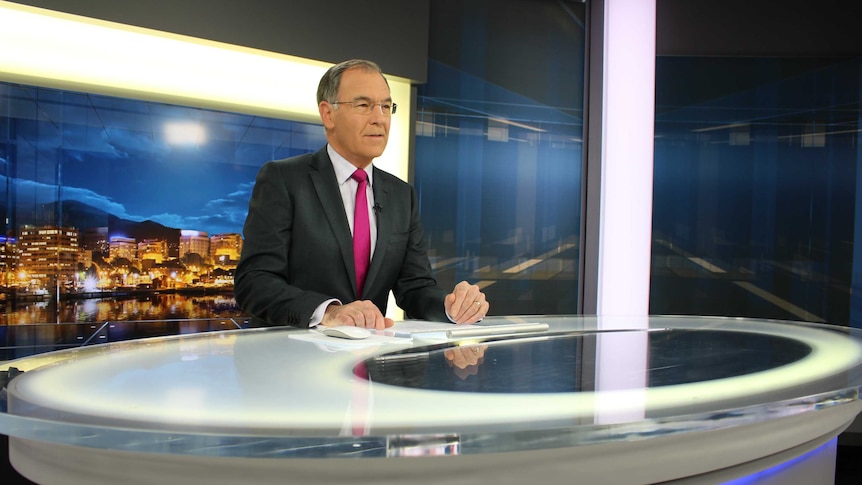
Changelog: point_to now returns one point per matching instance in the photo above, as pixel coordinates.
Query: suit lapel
(384, 226)
(326, 187)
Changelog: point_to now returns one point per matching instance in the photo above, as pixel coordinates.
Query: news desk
(589, 400)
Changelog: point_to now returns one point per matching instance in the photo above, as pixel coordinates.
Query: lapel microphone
(377, 209)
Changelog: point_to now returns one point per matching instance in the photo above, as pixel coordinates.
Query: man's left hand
(466, 304)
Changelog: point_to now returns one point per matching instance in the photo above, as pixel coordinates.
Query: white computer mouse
(352, 333)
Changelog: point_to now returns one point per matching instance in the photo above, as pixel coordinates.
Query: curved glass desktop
(606, 400)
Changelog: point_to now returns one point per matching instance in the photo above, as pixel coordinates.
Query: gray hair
(327, 90)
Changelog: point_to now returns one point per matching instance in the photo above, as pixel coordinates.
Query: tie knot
(359, 175)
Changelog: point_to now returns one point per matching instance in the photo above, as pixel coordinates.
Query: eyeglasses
(365, 107)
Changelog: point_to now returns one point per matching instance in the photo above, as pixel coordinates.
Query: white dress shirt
(347, 186)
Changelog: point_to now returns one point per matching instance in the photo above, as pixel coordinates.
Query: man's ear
(326, 112)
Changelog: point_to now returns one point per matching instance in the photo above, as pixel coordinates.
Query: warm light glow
(65, 51)
(185, 133)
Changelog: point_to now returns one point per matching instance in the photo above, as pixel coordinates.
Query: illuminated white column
(627, 157)
(625, 224)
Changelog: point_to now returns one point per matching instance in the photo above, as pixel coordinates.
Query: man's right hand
(360, 313)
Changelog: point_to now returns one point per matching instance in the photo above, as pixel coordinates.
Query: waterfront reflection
(140, 307)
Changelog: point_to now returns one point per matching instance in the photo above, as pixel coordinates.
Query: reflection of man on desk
(328, 235)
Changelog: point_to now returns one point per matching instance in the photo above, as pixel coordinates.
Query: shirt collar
(344, 169)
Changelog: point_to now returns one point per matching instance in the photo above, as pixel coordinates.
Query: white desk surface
(293, 393)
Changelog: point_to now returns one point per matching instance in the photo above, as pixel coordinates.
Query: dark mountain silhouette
(143, 230)
(81, 216)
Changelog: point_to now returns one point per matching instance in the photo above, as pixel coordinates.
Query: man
(298, 264)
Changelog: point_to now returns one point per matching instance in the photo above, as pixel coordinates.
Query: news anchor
(328, 235)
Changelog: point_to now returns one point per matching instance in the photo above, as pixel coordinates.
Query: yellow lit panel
(63, 51)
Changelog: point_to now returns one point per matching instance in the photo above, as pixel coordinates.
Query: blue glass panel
(498, 150)
(755, 188)
(77, 170)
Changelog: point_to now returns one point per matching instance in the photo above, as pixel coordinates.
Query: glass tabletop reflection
(558, 362)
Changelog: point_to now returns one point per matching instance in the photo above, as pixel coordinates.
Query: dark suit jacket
(298, 250)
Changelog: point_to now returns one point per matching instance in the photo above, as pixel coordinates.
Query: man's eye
(386, 107)
(362, 105)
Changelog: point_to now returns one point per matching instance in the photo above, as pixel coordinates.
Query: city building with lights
(226, 250)
(47, 255)
(123, 247)
(194, 242)
(153, 249)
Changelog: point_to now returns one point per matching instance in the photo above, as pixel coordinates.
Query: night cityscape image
(108, 200)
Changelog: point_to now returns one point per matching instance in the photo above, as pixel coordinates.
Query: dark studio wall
(805, 35)
(758, 28)
(393, 33)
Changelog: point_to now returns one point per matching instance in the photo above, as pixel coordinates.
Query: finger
(360, 314)
(466, 293)
(463, 296)
(481, 352)
(458, 358)
(475, 311)
(450, 303)
(471, 355)
(462, 288)
(364, 318)
(371, 316)
(481, 311)
(379, 321)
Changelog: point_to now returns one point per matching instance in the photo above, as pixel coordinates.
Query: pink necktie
(361, 231)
